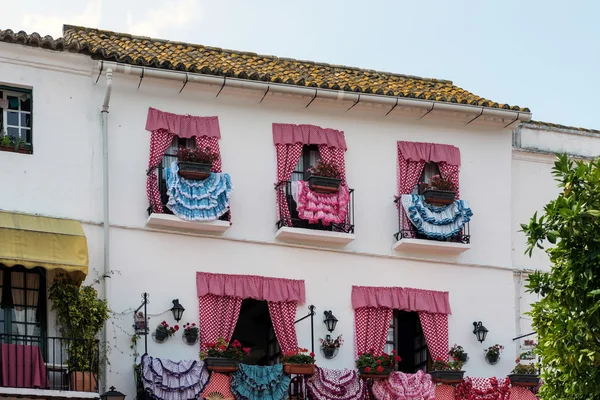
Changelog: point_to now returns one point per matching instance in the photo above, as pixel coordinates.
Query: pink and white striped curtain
(371, 325)
(160, 140)
(283, 315)
(335, 155)
(287, 158)
(218, 317)
(435, 329)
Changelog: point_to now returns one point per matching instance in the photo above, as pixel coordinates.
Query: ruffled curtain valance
(183, 126)
(398, 298)
(308, 134)
(251, 286)
(427, 152)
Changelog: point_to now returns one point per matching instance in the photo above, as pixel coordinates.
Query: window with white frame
(15, 118)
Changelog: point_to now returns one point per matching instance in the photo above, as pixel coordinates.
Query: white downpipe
(105, 212)
(427, 105)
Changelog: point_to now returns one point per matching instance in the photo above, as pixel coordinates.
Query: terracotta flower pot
(524, 380)
(223, 365)
(83, 381)
(192, 170)
(447, 377)
(299, 369)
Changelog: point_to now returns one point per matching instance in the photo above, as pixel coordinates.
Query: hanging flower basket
(223, 365)
(299, 369)
(447, 377)
(329, 352)
(193, 170)
(492, 359)
(524, 380)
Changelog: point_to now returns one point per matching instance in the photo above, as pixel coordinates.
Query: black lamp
(330, 321)
(480, 331)
(177, 310)
(112, 394)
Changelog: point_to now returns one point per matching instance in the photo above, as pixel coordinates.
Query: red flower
(194, 324)
(380, 369)
(312, 354)
(393, 351)
(397, 358)
(372, 351)
(438, 359)
(246, 350)
(176, 327)
(223, 347)
(378, 361)
(367, 369)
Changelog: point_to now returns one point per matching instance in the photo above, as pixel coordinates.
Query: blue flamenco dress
(198, 200)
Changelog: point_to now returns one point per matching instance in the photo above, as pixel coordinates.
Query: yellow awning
(34, 241)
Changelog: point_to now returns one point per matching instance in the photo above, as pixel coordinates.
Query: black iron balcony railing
(162, 186)
(295, 222)
(35, 362)
(408, 231)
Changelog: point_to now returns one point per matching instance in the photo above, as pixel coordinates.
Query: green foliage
(81, 315)
(567, 317)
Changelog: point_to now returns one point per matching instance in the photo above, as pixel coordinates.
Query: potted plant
(325, 177)
(529, 343)
(439, 191)
(329, 347)
(163, 332)
(458, 353)
(492, 354)
(220, 357)
(195, 163)
(447, 372)
(376, 364)
(525, 375)
(298, 362)
(191, 333)
(12, 144)
(80, 315)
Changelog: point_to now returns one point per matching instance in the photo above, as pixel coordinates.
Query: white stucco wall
(63, 178)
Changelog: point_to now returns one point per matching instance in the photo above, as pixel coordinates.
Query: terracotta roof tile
(158, 53)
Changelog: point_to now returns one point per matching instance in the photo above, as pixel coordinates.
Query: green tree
(567, 317)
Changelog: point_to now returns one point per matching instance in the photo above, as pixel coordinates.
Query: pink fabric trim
(250, 287)
(419, 151)
(308, 134)
(184, 126)
(401, 386)
(326, 207)
(398, 298)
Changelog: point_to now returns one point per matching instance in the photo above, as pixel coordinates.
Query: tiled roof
(550, 125)
(179, 56)
(35, 40)
(157, 53)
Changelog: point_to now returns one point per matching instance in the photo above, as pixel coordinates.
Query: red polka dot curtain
(164, 127)
(372, 304)
(220, 297)
(289, 139)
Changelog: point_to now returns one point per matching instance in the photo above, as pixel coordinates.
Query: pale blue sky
(541, 54)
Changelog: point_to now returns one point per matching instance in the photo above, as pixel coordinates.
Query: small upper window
(15, 120)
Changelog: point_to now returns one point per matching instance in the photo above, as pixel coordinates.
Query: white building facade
(504, 174)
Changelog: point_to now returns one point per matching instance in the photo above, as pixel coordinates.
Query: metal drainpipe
(105, 201)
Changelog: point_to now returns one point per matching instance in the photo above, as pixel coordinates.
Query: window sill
(172, 222)
(46, 393)
(430, 246)
(11, 149)
(314, 237)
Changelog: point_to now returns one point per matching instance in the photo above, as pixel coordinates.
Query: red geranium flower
(223, 347)
(393, 351)
(247, 350)
(397, 358)
(378, 361)
(176, 327)
(367, 369)
(312, 354)
(380, 369)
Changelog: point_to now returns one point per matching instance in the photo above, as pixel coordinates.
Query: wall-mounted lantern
(177, 310)
(480, 331)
